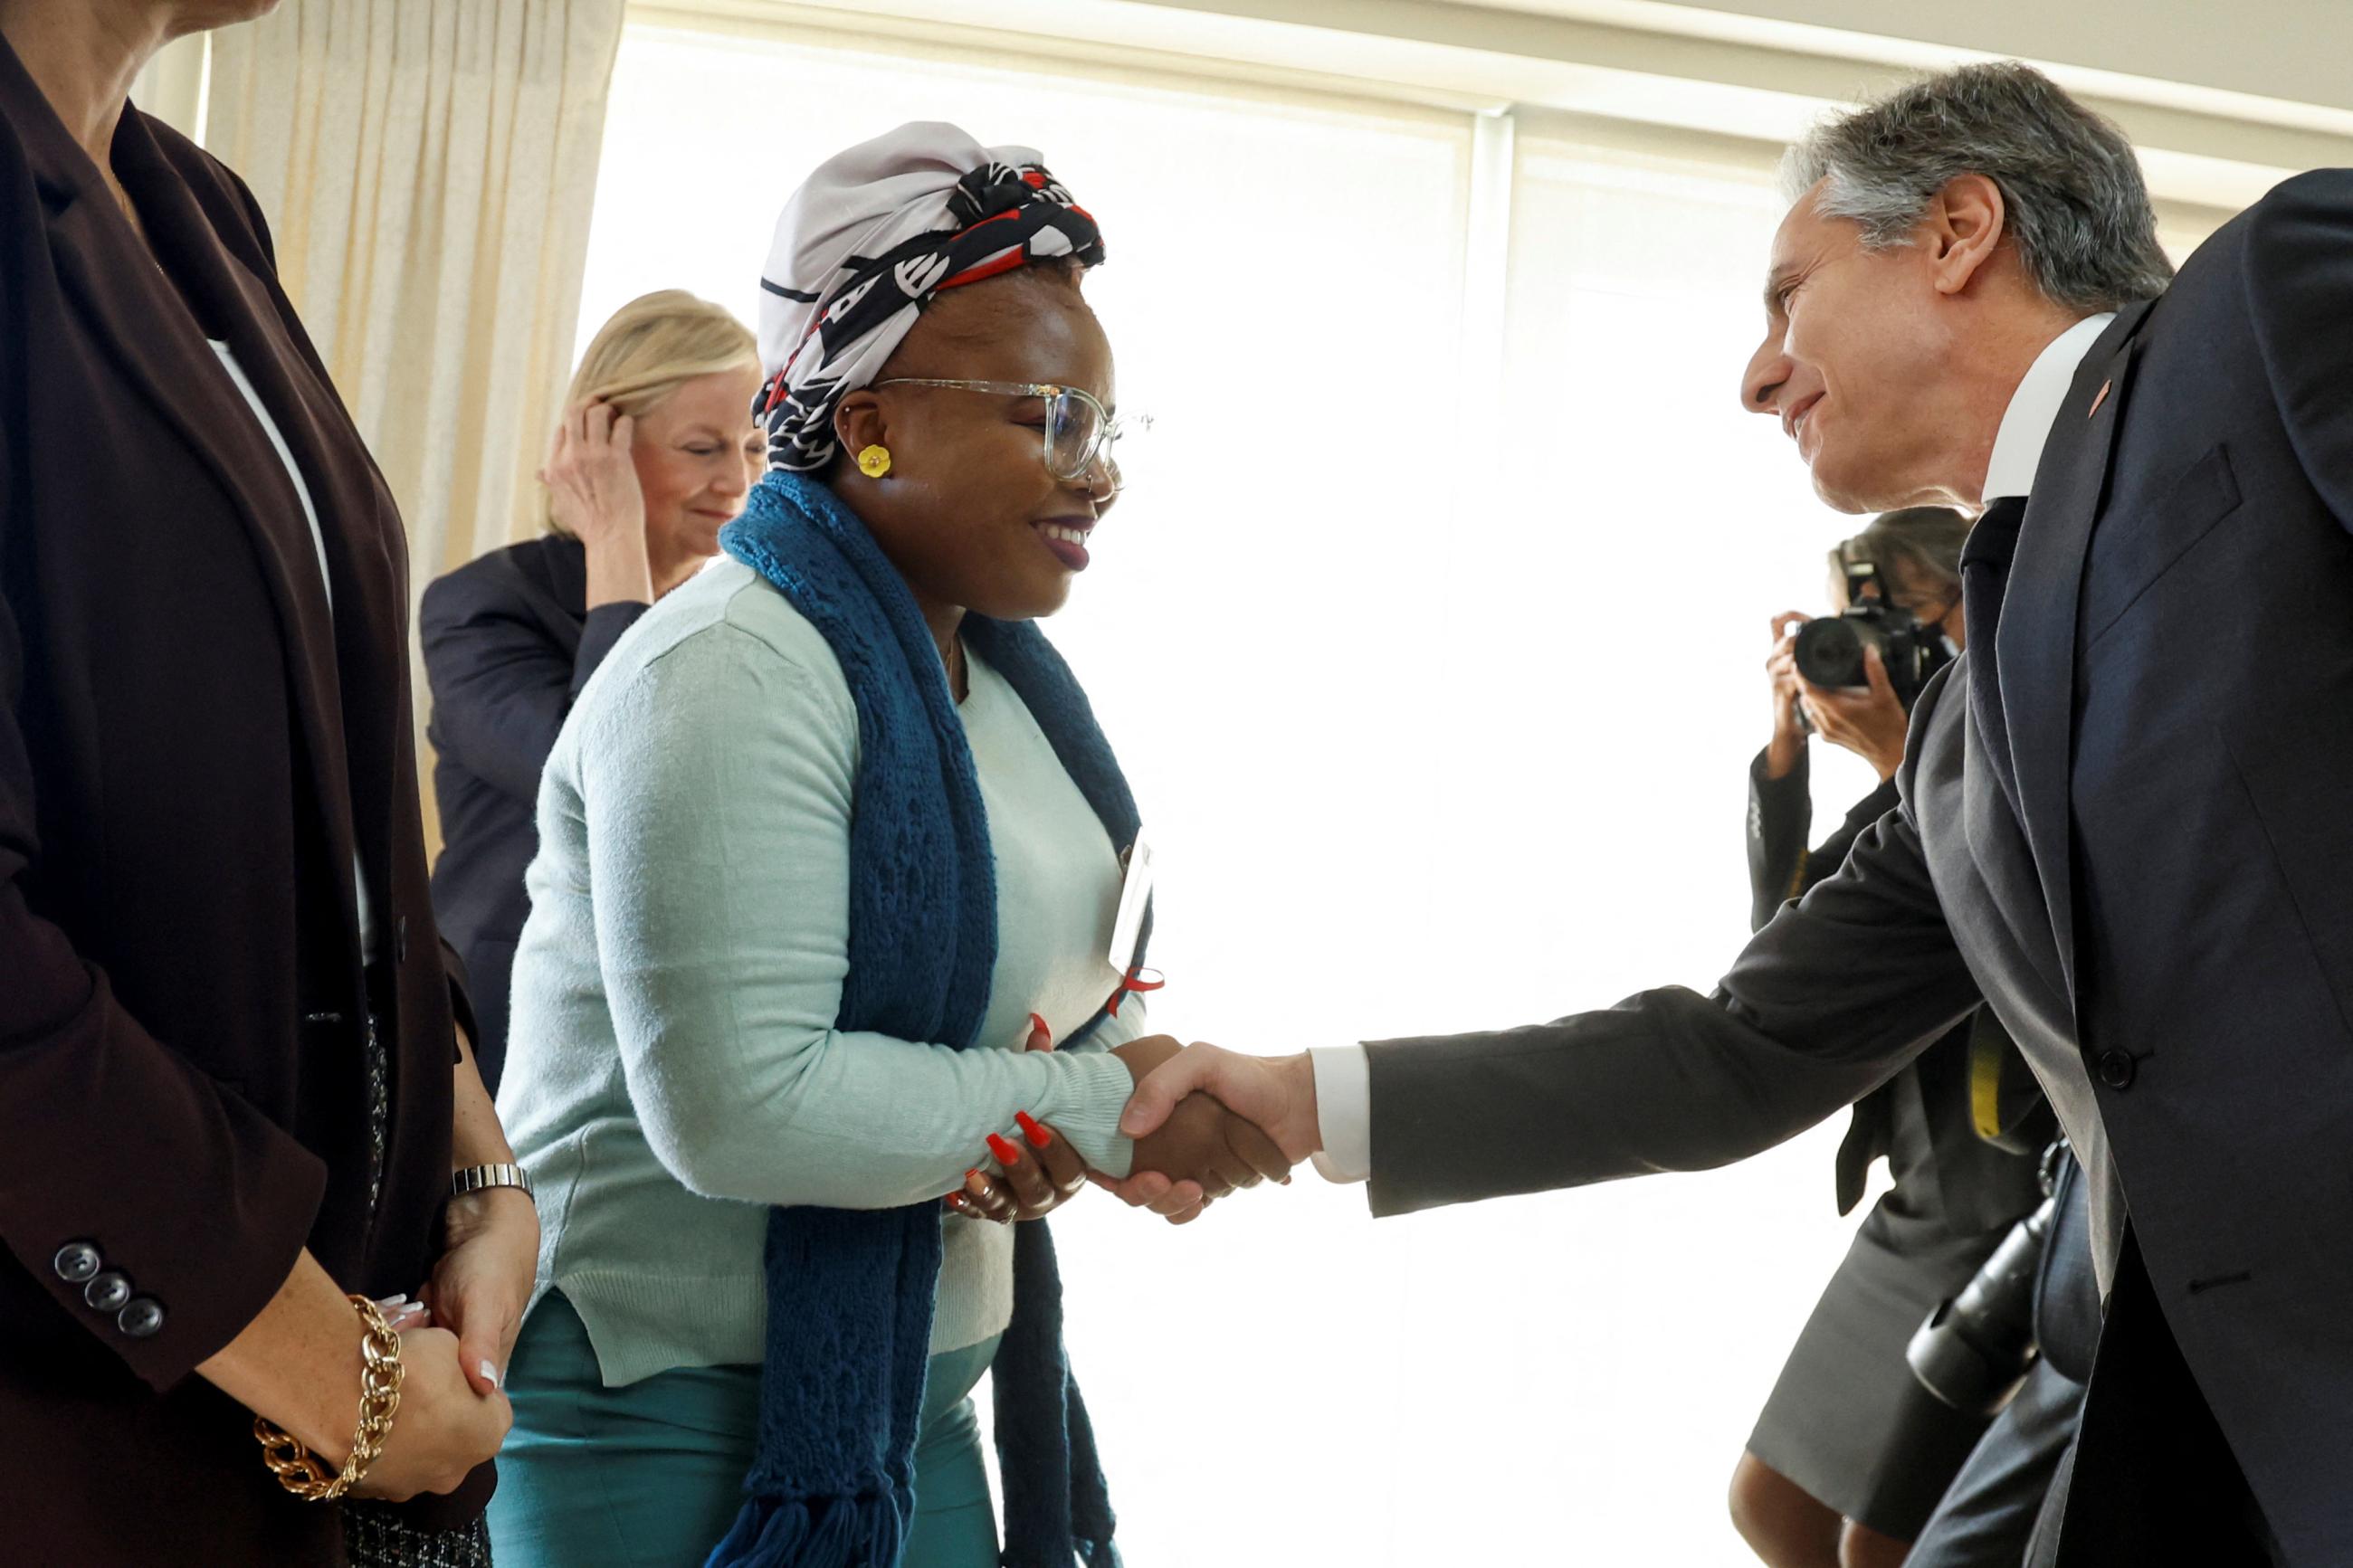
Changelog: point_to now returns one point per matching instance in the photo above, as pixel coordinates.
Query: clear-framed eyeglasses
(1079, 431)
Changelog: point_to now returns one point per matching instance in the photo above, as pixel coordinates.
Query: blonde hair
(653, 346)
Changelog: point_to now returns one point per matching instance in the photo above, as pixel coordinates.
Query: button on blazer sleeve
(1839, 992)
(91, 1103)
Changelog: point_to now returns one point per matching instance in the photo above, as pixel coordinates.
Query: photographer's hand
(1869, 721)
(1789, 741)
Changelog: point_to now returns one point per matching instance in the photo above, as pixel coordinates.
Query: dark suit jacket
(1979, 1185)
(509, 642)
(2147, 869)
(191, 748)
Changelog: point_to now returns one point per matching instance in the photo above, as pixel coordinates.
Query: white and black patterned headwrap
(869, 241)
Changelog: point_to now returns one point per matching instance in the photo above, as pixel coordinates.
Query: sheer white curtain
(1439, 693)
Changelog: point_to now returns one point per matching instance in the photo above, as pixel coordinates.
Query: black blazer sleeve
(500, 687)
(1780, 814)
(2299, 277)
(1780, 868)
(1841, 991)
(115, 1104)
(100, 1103)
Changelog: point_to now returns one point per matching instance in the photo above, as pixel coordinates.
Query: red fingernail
(1007, 1153)
(971, 1176)
(1038, 1026)
(956, 1200)
(1039, 1137)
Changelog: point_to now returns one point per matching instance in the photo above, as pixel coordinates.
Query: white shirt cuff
(1344, 1112)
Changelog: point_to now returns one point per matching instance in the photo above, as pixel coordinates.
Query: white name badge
(1135, 893)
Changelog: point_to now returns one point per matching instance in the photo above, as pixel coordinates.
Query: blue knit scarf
(850, 1293)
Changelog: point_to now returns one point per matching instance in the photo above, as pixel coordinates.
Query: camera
(1828, 650)
(1973, 1349)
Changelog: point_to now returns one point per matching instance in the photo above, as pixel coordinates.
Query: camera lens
(1829, 652)
(1973, 1349)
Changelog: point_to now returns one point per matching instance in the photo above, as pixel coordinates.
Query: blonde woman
(652, 456)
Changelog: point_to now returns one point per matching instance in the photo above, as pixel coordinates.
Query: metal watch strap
(478, 1178)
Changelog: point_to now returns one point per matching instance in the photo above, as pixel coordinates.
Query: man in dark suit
(2124, 818)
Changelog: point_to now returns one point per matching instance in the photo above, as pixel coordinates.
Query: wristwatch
(478, 1178)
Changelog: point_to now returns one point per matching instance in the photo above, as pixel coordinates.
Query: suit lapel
(359, 527)
(365, 563)
(2035, 641)
(162, 352)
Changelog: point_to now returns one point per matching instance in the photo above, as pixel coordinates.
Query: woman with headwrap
(831, 829)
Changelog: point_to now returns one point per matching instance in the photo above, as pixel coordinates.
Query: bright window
(1436, 664)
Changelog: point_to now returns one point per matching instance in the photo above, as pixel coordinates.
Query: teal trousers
(651, 1475)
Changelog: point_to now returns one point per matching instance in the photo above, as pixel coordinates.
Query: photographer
(1851, 1455)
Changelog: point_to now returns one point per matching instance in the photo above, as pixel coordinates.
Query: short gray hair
(2076, 204)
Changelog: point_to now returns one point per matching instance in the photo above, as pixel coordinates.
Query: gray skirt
(1847, 1421)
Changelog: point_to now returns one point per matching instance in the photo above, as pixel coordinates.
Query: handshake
(1207, 1122)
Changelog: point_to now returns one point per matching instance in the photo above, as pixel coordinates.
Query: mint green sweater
(672, 1067)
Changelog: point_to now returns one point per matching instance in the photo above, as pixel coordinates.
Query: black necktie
(1985, 576)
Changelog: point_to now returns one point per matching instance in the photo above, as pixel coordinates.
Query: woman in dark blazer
(228, 1028)
(1851, 1455)
(654, 455)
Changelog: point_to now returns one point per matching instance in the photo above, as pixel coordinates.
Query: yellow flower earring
(874, 462)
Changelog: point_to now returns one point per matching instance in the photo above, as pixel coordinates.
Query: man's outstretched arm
(1825, 1004)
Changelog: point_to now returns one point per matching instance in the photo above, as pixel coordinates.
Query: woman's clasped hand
(445, 1425)
(1034, 1176)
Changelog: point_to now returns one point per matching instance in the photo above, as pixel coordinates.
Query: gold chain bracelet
(296, 1469)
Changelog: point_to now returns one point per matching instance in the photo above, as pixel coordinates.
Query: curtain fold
(427, 168)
